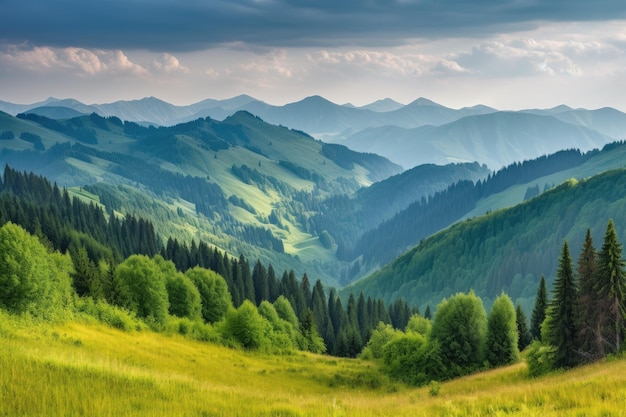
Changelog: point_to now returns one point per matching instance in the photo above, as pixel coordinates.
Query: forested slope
(506, 250)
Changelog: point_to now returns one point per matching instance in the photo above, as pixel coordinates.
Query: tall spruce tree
(590, 342)
(561, 322)
(539, 310)
(611, 290)
(524, 336)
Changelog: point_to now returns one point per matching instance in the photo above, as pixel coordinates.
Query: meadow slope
(89, 369)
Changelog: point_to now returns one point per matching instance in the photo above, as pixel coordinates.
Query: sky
(508, 54)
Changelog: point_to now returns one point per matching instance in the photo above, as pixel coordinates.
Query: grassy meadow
(88, 369)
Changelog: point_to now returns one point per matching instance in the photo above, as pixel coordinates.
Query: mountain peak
(560, 109)
(424, 102)
(383, 105)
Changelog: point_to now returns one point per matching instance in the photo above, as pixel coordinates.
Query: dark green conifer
(590, 345)
(539, 311)
(561, 323)
(611, 290)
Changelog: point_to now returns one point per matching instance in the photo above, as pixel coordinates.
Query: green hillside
(506, 250)
(80, 368)
(242, 185)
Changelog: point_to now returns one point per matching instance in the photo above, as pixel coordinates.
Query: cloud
(384, 63)
(170, 25)
(78, 60)
(169, 64)
(521, 58)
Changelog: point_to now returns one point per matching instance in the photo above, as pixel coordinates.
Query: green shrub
(141, 288)
(434, 388)
(413, 359)
(113, 316)
(540, 359)
(381, 335)
(214, 295)
(460, 327)
(246, 327)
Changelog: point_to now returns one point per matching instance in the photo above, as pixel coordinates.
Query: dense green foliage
(383, 243)
(461, 340)
(140, 285)
(149, 281)
(585, 319)
(460, 328)
(502, 333)
(213, 292)
(32, 279)
(507, 250)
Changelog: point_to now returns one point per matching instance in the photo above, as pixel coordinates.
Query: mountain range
(409, 135)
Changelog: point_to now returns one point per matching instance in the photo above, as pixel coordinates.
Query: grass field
(88, 369)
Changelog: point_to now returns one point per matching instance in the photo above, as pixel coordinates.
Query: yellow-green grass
(87, 369)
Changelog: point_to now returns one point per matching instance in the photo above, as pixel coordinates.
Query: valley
(142, 222)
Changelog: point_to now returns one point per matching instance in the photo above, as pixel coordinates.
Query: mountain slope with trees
(242, 184)
(507, 250)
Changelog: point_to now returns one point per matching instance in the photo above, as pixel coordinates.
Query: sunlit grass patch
(90, 369)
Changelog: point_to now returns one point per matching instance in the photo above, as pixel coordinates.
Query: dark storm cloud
(187, 25)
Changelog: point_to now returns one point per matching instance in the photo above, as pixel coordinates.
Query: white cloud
(169, 64)
(80, 61)
(384, 63)
(519, 58)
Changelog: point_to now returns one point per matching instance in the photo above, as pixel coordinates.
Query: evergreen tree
(261, 283)
(561, 322)
(590, 343)
(314, 343)
(427, 314)
(320, 309)
(246, 277)
(305, 288)
(539, 310)
(524, 336)
(273, 283)
(611, 290)
(84, 271)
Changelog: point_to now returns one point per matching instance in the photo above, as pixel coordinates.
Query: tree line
(98, 244)
(584, 320)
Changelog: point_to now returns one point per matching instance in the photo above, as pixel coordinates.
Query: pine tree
(524, 336)
(539, 311)
(611, 290)
(590, 343)
(561, 331)
(320, 309)
(261, 284)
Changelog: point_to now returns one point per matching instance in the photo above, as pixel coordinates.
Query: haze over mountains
(413, 134)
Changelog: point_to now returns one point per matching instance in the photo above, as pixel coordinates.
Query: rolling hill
(241, 184)
(507, 249)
